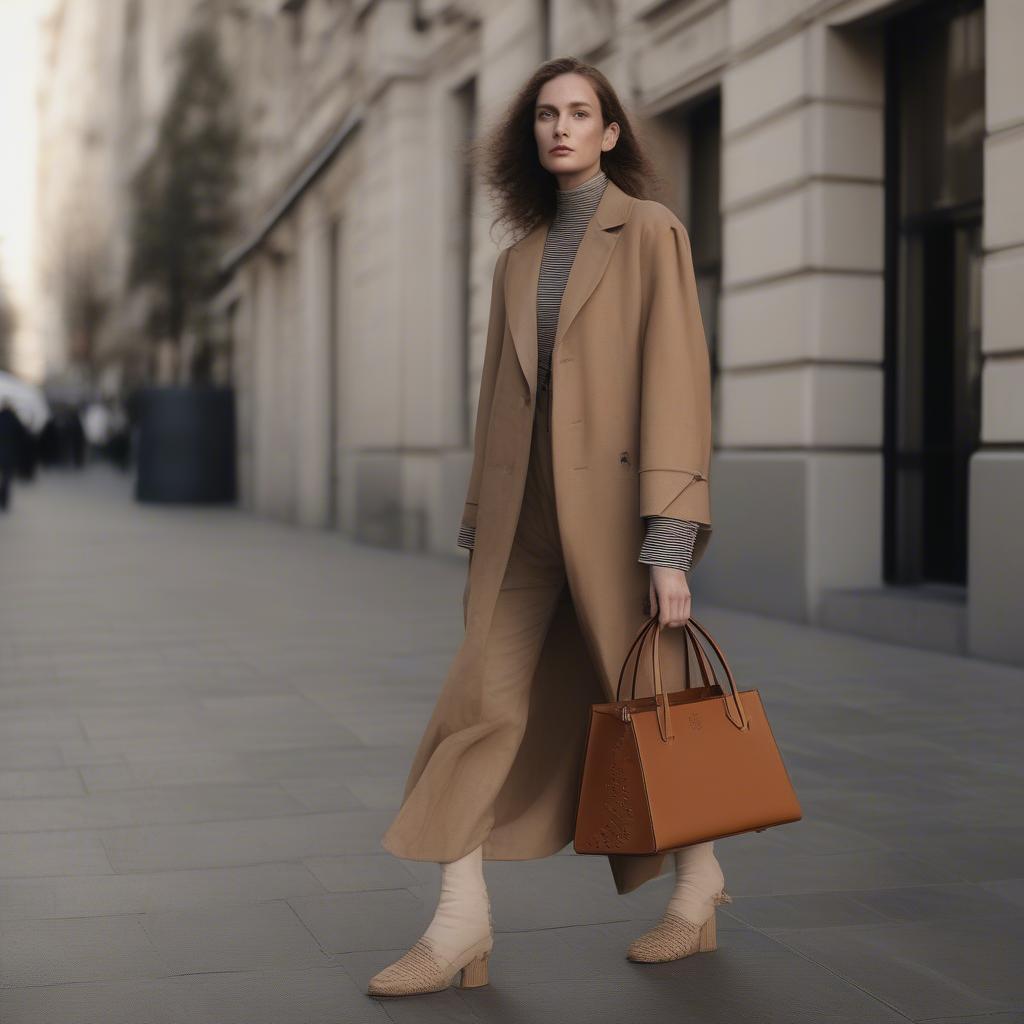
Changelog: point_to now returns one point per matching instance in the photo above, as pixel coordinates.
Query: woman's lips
(557, 150)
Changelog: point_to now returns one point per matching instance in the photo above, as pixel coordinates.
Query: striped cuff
(669, 542)
(467, 536)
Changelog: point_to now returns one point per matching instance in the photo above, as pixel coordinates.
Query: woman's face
(568, 129)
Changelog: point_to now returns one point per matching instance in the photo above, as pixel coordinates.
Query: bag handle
(728, 671)
(706, 669)
(744, 722)
(625, 661)
(687, 640)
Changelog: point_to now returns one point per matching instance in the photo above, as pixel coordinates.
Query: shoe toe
(413, 972)
(672, 938)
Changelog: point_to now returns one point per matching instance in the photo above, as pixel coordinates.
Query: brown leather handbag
(673, 769)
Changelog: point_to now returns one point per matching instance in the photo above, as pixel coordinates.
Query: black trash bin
(186, 447)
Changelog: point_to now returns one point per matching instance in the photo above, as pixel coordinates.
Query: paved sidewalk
(205, 723)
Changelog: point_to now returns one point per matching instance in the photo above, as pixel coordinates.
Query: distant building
(849, 176)
(106, 70)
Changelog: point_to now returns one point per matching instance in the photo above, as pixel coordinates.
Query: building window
(935, 119)
(704, 221)
(687, 150)
(545, 14)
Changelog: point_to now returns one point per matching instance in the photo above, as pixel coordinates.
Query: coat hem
(404, 853)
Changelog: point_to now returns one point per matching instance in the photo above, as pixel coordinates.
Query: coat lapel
(523, 273)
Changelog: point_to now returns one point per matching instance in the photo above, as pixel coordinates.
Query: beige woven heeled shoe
(421, 969)
(675, 937)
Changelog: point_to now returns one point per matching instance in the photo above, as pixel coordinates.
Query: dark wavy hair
(524, 191)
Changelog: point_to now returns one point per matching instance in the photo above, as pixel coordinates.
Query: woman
(588, 502)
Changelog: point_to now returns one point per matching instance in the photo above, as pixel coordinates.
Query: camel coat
(631, 437)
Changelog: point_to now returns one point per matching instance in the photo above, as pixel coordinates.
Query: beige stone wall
(996, 555)
(351, 281)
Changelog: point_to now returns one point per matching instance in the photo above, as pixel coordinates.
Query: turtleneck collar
(581, 200)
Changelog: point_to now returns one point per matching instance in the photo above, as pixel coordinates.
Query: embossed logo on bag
(695, 722)
(618, 825)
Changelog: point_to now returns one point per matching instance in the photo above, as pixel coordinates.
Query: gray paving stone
(1011, 889)
(975, 854)
(381, 791)
(76, 949)
(323, 794)
(142, 773)
(940, 904)
(44, 725)
(264, 936)
(47, 782)
(773, 988)
(321, 996)
(23, 754)
(256, 841)
(960, 966)
(169, 720)
(29, 854)
(436, 1008)
(382, 919)
(362, 873)
(209, 802)
(153, 891)
(983, 1018)
(195, 775)
(750, 872)
(326, 762)
(117, 1002)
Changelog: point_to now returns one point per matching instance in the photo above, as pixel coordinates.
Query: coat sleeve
(489, 376)
(675, 400)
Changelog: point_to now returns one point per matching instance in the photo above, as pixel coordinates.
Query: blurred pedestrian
(13, 440)
(76, 438)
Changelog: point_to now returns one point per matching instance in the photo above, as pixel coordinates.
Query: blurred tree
(8, 324)
(183, 204)
(84, 300)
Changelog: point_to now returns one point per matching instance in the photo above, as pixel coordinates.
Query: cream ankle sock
(699, 877)
(462, 916)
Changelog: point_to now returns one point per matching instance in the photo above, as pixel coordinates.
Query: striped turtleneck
(573, 210)
(667, 541)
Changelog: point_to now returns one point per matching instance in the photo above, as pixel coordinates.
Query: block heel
(707, 940)
(474, 974)
(675, 937)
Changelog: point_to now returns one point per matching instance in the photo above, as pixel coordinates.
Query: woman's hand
(669, 595)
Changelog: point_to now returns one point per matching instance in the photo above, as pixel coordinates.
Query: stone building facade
(849, 173)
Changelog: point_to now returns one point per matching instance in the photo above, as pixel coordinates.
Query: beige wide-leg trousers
(472, 743)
